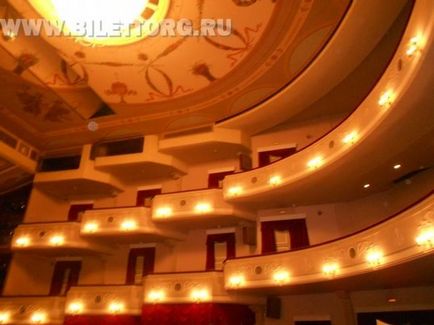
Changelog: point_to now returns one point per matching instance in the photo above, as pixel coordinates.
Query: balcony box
(72, 179)
(195, 287)
(205, 144)
(53, 239)
(139, 163)
(201, 208)
(125, 225)
(101, 300)
(27, 310)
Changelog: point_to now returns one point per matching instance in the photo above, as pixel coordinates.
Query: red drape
(265, 157)
(197, 314)
(148, 262)
(215, 179)
(297, 230)
(103, 320)
(145, 197)
(58, 278)
(76, 210)
(229, 239)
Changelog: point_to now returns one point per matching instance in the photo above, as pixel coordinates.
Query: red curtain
(265, 157)
(148, 262)
(215, 179)
(57, 281)
(296, 228)
(76, 210)
(103, 320)
(197, 314)
(144, 198)
(229, 239)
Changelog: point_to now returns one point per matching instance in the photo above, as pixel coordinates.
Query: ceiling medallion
(103, 22)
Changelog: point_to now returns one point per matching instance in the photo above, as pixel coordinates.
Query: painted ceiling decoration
(155, 84)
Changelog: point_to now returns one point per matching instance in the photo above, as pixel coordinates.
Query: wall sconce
(275, 180)
(199, 295)
(164, 212)
(38, 318)
(281, 277)
(375, 257)
(4, 317)
(351, 138)
(116, 308)
(386, 99)
(237, 281)
(129, 225)
(426, 238)
(57, 240)
(91, 227)
(235, 191)
(413, 46)
(202, 208)
(76, 307)
(156, 296)
(23, 241)
(9, 35)
(330, 269)
(316, 162)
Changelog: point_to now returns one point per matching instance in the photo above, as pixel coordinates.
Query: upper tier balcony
(104, 300)
(32, 310)
(53, 239)
(136, 159)
(75, 177)
(196, 287)
(199, 208)
(205, 144)
(397, 242)
(125, 224)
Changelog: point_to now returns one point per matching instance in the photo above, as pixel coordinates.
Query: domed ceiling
(53, 87)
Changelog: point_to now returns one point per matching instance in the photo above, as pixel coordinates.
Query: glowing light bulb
(386, 99)
(413, 46)
(235, 191)
(4, 317)
(76, 307)
(156, 296)
(275, 180)
(116, 307)
(203, 208)
(129, 225)
(281, 277)
(91, 227)
(351, 138)
(38, 318)
(316, 162)
(237, 281)
(366, 186)
(199, 295)
(375, 257)
(397, 166)
(23, 242)
(57, 240)
(330, 269)
(164, 212)
(426, 238)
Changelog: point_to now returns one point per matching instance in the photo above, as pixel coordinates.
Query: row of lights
(126, 225)
(199, 208)
(395, 167)
(36, 318)
(78, 307)
(374, 257)
(55, 240)
(385, 101)
(196, 295)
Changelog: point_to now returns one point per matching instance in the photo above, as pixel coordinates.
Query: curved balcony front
(132, 224)
(407, 237)
(199, 209)
(54, 239)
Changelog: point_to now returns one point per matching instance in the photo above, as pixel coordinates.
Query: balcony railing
(403, 238)
(124, 222)
(52, 238)
(205, 207)
(32, 310)
(195, 287)
(100, 300)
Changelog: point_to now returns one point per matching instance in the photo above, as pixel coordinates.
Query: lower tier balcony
(125, 225)
(187, 288)
(200, 208)
(104, 300)
(400, 245)
(32, 310)
(54, 239)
